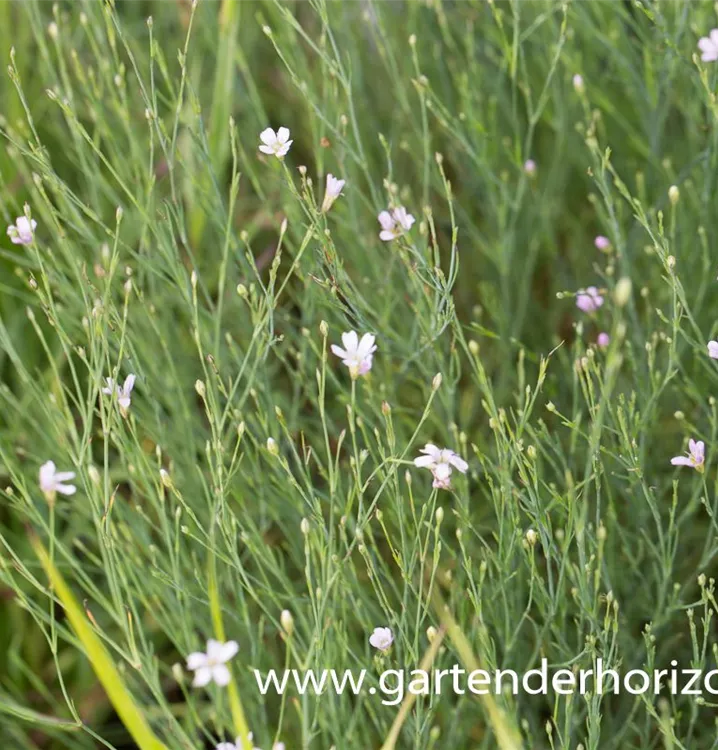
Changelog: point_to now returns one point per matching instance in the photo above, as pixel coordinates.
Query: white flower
(713, 349)
(22, 231)
(52, 480)
(394, 224)
(238, 744)
(212, 665)
(381, 638)
(275, 143)
(123, 392)
(708, 45)
(440, 461)
(332, 192)
(357, 355)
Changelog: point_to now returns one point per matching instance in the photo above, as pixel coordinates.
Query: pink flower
(530, 167)
(695, 458)
(603, 339)
(22, 232)
(589, 300)
(440, 462)
(394, 224)
(602, 243)
(52, 480)
(381, 638)
(357, 355)
(713, 349)
(708, 45)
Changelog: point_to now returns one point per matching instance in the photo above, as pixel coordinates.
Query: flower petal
(202, 677)
(229, 650)
(268, 136)
(196, 660)
(350, 341)
(221, 675)
(283, 135)
(459, 463)
(681, 461)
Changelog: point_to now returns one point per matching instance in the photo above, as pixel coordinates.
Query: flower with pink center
(394, 224)
(696, 456)
(589, 300)
(441, 462)
(357, 354)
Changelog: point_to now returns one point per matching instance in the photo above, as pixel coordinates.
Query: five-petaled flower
(123, 392)
(708, 45)
(332, 192)
(440, 462)
(275, 143)
(22, 232)
(696, 456)
(589, 300)
(713, 349)
(394, 224)
(381, 638)
(357, 354)
(212, 666)
(52, 480)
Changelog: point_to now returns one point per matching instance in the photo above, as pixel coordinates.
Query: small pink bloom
(696, 456)
(22, 232)
(440, 461)
(530, 167)
(602, 243)
(589, 300)
(708, 45)
(394, 224)
(603, 339)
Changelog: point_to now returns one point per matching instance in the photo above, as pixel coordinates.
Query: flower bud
(272, 446)
(622, 293)
(287, 622)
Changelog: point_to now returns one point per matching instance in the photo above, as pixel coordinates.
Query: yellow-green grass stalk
(507, 736)
(235, 703)
(103, 666)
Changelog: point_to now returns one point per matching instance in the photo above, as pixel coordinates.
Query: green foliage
(169, 247)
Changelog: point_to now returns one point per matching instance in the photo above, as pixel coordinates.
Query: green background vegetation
(162, 120)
